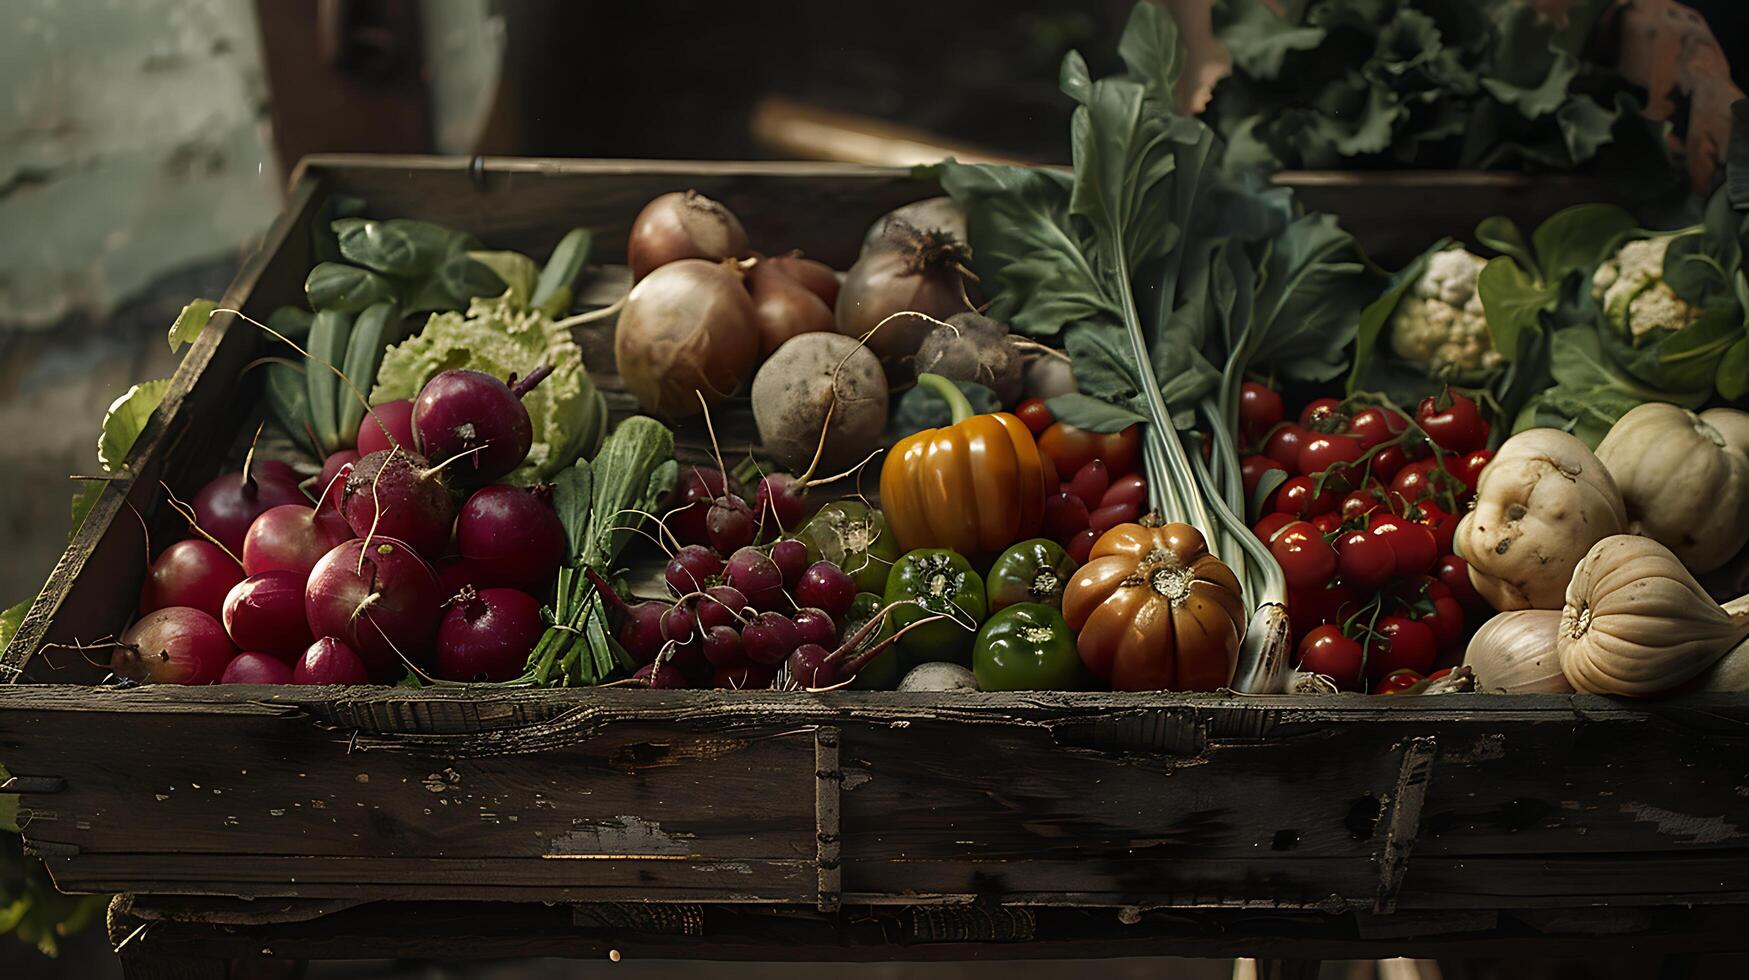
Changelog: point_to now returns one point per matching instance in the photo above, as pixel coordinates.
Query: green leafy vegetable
(337, 288)
(399, 248)
(125, 419)
(921, 408)
(552, 293)
(1083, 412)
(517, 270)
(190, 322)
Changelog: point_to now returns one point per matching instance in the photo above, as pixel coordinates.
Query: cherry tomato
(1402, 644)
(1065, 516)
(1377, 424)
(1081, 545)
(1035, 415)
(1308, 609)
(1453, 421)
(1070, 448)
(1416, 480)
(1360, 502)
(1300, 496)
(1283, 445)
(1436, 675)
(1443, 525)
(1411, 543)
(1387, 462)
(1090, 483)
(1447, 621)
(1326, 651)
(1305, 557)
(1396, 682)
(1469, 468)
(1266, 528)
(1454, 574)
(1132, 489)
(1366, 561)
(1322, 452)
(1323, 415)
(1260, 408)
(1327, 522)
(1251, 470)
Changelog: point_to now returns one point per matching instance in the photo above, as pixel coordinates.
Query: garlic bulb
(1539, 505)
(1731, 673)
(1637, 623)
(1514, 653)
(1684, 478)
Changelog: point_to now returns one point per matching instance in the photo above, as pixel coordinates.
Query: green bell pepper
(1026, 647)
(1032, 571)
(881, 673)
(854, 537)
(941, 582)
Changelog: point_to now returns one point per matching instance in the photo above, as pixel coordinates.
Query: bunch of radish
(410, 557)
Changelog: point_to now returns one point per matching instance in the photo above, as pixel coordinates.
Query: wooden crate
(1328, 807)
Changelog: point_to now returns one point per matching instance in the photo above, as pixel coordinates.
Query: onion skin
(819, 277)
(688, 327)
(922, 275)
(1514, 653)
(930, 214)
(784, 307)
(683, 225)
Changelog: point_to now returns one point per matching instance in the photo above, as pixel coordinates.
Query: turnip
(477, 417)
(682, 225)
(972, 347)
(380, 599)
(256, 668)
(192, 572)
(687, 329)
(292, 537)
(177, 645)
(394, 493)
(265, 613)
(900, 288)
(487, 635)
(329, 661)
(225, 507)
(820, 394)
(512, 536)
(386, 426)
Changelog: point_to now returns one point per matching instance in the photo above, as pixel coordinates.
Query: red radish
(680, 623)
(453, 573)
(722, 647)
(1066, 515)
(819, 277)
(826, 586)
(379, 599)
(395, 494)
(770, 638)
(637, 626)
(784, 307)
(665, 675)
(512, 536)
(292, 537)
(487, 635)
(811, 666)
(1080, 545)
(1090, 483)
(265, 613)
(177, 645)
(329, 661)
(781, 503)
(791, 558)
(256, 668)
(691, 569)
(729, 523)
(722, 605)
(386, 426)
(334, 466)
(749, 677)
(474, 415)
(683, 225)
(227, 506)
(816, 626)
(691, 500)
(758, 577)
(192, 572)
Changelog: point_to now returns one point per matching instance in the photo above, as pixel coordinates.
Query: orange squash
(1155, 611)
(975, 487)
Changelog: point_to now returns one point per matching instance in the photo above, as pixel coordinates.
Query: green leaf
(10, 621)
(1267, 484)
(1733, 375)
(1513, 302)
(1585, 127)
(190, 322)
(1579, 238)
(400, 248)
(552, 294)
(921, 408)
(1260, 38)
(291, 322)
(1501, 235)
(125, 419)
(1312, 288)
(1150, 49)
(339, 288)
(1104, 364)
(84, 499)
(1530, 72)
(517, 270)
(1690, 357)
(572, 490)
(1085, 412)
(1375, 316)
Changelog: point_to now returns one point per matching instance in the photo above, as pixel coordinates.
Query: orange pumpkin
(975, 487)
(1155, 611)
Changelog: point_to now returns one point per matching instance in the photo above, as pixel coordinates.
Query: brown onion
(932, 214)
(817, 276)
(687, 327)
(783, 306)
(683, 225)
(915, 272)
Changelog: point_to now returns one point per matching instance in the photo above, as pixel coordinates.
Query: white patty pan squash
(1684, 478)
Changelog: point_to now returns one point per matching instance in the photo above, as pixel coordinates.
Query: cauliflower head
(1440, 322)
(1635, 297)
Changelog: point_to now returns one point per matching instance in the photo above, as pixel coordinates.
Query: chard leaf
(1085, 412)
(1312, 286)
(1585, 127)
(572, 497)
(1104, 364)
(190, 322)
(336, 287)
(125, 419)
(1376, 315)
(1513, 302)
(1501, 235)
(398, 247)
(1150, 49)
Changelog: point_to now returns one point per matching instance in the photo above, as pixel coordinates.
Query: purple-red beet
(816, 626)
(329, 661)
(781, 502)
(770, 638)
(512, 536)
(265, 613)
(293, 537)
(828, 587)
(640, 632)
(256, 668)
(193, 572)
(177, 645)
(395, 494)
(690, 502)
(379, 600)
(475, 413)
(729, 523)
(680, 623)
(227, 506)
(386, 426)
(664, 674)
(721, 605)
(791, 558)
(692, 569)
(812, 666)
(334, 466)
(757, 576)
(487, 635)
(454, 573)
(722, 647)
